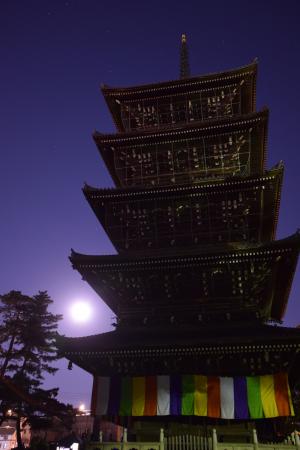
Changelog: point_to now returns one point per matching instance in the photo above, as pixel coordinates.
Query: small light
(81, 407)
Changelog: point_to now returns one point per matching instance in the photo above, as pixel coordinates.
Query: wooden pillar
(255, 440)
(161, 439)
(124, 439)
(214, 439)
(297, 440)
(96, 428)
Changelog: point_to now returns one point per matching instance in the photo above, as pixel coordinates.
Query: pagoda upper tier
(192, 153)
(169, 104)
(201, 286)
(235, 210)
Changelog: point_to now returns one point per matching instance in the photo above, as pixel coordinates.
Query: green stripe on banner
(188, 388)
(254, 398)
(126, 397)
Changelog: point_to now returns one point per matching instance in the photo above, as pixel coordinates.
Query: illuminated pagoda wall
(199, 281)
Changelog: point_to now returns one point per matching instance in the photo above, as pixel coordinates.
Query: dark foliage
(28, 350)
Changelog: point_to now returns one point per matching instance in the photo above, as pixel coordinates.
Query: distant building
(8, 435)
(83, 428)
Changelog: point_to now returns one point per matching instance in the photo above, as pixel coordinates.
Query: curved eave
(98, 198)
(173, 85)
(214, 126)
(99, 354)
(87, 350)
(286, 250)
(111, 94)
(230, 183)
(192, 257)
(108, 143)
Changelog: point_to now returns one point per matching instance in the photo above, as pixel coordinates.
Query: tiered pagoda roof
(194, 99)
(190, 153)
(260, 350)
(204, 285)
(238, 209)
(198, 275)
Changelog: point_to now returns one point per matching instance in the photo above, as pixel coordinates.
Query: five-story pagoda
(199, 283)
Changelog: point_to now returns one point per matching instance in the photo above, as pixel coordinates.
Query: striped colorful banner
(187, 395)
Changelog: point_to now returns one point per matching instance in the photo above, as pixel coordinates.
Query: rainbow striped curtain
(187, 395)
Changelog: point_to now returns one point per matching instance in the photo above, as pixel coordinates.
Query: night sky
(54, 56)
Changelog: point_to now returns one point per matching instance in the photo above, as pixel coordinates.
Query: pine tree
(27, 340)
(14, 311)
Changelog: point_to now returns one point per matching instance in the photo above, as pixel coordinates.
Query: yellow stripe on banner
(268, 396)
(290, 400)
(200, 403)
(138, 396)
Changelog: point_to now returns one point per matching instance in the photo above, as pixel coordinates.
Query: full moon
(80, 311)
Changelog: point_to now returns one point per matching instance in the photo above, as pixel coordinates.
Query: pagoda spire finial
(184, 58)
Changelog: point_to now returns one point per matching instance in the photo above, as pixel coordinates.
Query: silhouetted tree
(27, 340)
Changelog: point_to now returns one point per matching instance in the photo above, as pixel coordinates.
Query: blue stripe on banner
(175, 395)
(241, 410)
(114, 396)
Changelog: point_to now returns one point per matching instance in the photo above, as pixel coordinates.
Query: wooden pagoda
(199, 285)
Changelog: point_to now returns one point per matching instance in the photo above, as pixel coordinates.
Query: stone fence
(193, 442)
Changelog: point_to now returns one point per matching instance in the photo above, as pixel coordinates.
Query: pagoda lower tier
(207, 284)
(235, 210)
(238, 350)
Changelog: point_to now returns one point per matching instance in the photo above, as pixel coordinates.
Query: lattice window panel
(216, 288)
(185, 161)
(182, 108)
(167, 222)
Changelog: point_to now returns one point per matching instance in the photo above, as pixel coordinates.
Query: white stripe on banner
(163, 395)
(227, 397)
(102, 395)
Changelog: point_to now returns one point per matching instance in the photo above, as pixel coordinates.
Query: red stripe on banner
(94, 395)
(213, 397)
(150, 397)
(282, 394)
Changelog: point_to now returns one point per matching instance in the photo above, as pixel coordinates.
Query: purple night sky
(54, 55)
